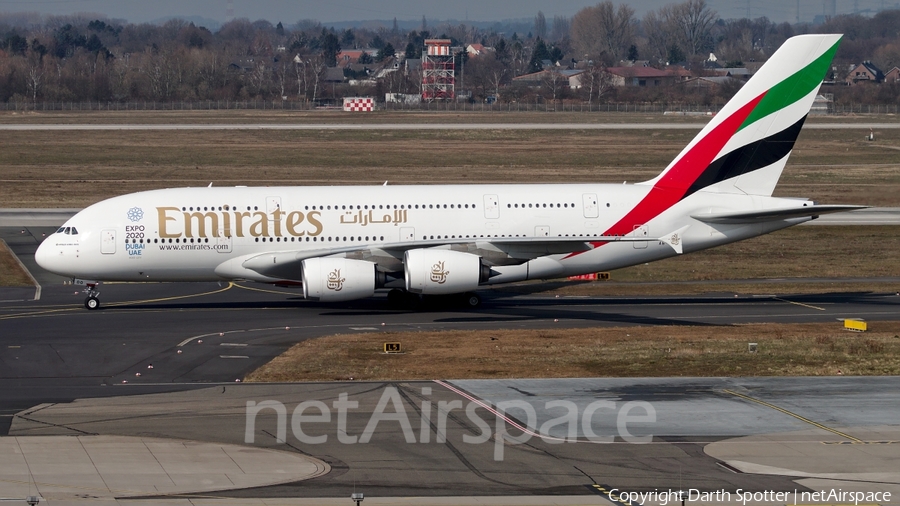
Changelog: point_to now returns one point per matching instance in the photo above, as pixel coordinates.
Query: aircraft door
(407, 234)
(108, 241)
(641, 231)
(591, 208)
(491, 207)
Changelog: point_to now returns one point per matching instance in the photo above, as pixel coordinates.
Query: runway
(412, 126)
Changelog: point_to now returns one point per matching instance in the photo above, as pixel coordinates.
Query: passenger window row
(516, 206)
(343, 207)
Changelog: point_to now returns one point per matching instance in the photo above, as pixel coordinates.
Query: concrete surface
(70, 468)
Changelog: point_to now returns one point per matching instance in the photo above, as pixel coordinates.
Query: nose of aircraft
(48, 256)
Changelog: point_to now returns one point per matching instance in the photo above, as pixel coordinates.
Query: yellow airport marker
(855, 324)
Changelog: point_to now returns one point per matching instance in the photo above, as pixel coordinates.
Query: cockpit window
(68, 230)
(61, 230)
(74, 231)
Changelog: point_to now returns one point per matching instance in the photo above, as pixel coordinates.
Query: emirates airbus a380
(452, 239)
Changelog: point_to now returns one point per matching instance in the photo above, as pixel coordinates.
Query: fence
(306, 106)
(624, 107)
(208, 105)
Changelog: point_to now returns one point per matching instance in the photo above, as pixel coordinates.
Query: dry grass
(75, 169)
(806, 251)
(11, 273)
(806, 259)
(783, 350)
(799, 286)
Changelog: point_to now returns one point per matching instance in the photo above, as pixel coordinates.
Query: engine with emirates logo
(426, 272)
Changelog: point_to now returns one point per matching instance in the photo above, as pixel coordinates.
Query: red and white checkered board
(358, 104)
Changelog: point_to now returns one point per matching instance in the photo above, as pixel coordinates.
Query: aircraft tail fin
(746, 145)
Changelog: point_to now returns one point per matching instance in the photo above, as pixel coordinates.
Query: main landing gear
(92, 301)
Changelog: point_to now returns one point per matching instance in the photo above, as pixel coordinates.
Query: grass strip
(814, 349)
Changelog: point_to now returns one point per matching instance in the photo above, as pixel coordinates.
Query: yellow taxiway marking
(264, 291)
(795, 415)
(165, 299)
(799, 304)
(114, 304)
(610, 495)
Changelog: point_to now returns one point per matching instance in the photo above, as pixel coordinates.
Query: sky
(291, 11)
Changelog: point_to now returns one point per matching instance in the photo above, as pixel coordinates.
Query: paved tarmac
(65, 371)
(439, 439)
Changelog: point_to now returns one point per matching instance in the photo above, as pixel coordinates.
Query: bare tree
(659, 37)
(35, 74)
(689, 25)
(499, 76)
(281, 71)
(560, 28)
(486, 74)
(595, 81)
(309, 70)
(603, 30)
(540, 25)
(695, 21)
(555, 82)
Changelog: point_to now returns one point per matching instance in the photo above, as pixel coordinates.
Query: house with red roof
(475, 50)
(864, 72)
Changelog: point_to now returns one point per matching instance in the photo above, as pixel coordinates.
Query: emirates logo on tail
(438, 274)
(335, 281)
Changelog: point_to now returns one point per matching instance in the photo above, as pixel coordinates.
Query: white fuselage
(205, 234)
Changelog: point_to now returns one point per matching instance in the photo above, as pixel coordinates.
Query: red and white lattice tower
(438, 79)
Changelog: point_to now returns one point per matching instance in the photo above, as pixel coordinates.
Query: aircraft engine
(338, 279)
(441, 271)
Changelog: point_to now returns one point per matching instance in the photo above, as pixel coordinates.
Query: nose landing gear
(92, 301)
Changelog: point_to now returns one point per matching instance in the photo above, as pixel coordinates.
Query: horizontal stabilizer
(772, 214)
(675, 239)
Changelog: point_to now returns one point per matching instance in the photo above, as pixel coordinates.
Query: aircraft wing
(772, 214)
(286, 264)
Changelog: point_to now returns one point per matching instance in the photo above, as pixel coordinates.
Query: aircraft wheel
(92, 302)
(472, 300)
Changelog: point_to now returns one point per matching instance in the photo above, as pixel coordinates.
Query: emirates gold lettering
(189, 220)
(174, 223)
(260, 228)
(164, 219)
(239, 223)
(294, 219)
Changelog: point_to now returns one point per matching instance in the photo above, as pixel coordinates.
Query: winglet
(675, 239)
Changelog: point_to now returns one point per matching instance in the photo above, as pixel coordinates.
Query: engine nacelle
(441, 271)
(338, 279)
